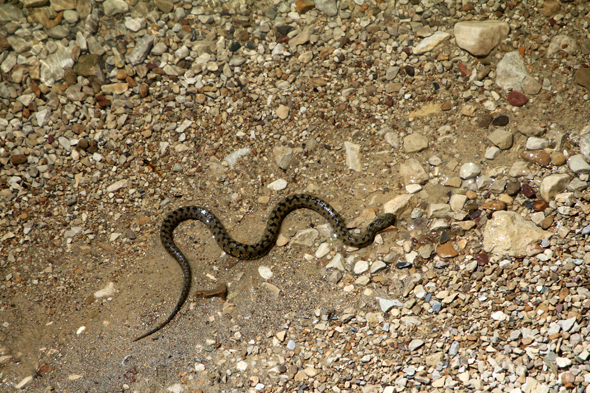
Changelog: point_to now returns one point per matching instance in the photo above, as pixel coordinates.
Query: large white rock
(508, 233)
(480, 37)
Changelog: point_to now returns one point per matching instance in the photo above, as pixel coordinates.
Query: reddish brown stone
(18, 159)
(540, 205)
(539, 157)
(516, 98)
(464, 70)
(446, 251)
(446, 106)
(104, 103)
(304, 5)
(482, 259)
(389, 101)
(35, 89)
(528, 191)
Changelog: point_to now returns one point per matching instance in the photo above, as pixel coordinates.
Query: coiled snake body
(264, 245)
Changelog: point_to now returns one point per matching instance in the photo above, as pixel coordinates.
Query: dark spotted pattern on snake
(265, 244)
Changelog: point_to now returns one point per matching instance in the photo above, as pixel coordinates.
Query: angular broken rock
(480, 37)
(508, 233)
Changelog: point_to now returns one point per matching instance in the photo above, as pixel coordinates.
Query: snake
(267, 241)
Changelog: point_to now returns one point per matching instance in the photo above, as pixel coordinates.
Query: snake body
(265, 244)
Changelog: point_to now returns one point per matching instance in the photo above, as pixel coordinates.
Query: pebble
(277, 185)
(577, 164)
(469, 170)
(516, 98)
(553, 185)
(265, 272)
(500, 121)
(501, 138)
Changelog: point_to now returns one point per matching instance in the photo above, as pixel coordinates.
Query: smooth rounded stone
(415, 142)
(561, 43)
(494, 206)
(71, 16)
(578, 164)
(508, 233)
(582, 77)
(17, 159)
(534, 143)
(516, 98)
(539, 157)
(265, 272)
(558, 159)
(282, 112)
(511, 71)
(446, 251)
(114, 7)
(501, 121)
(531, 86)
(353, 159)
(277, 185)
(501, 138)
(480, 37)
(553, 185)
(431, 42)
(291, 345)
(412, 171)
(469, 170)
(531, 129)
(360, 267)
(492, 152)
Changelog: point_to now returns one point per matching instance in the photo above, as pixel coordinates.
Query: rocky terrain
(469, 120)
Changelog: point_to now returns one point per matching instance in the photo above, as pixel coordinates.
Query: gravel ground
(468, 120)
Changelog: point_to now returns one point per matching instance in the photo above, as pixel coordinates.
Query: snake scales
(264, 245)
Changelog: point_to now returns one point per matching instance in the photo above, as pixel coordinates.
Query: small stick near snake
(263, 246)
